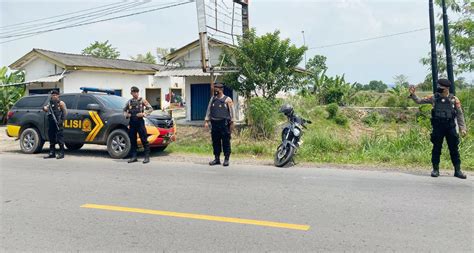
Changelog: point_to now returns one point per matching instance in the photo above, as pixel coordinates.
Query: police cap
(444, 82)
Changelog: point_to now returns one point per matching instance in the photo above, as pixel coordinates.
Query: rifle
(50, 113)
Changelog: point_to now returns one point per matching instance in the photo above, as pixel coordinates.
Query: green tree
(102, 50)
(426, 85)
(461, 83)
(337, 90)
(316, 68)
(317, 64)
(10, 94)
(378, 86)
(461, 30)
(358, 86)
(401, 80)
(268, 62)
(398, 96)
(162, 52)
(146, 58)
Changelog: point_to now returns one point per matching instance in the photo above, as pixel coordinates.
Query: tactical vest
(219, 109)
(135, 106)
(56, 109)
(444, 108)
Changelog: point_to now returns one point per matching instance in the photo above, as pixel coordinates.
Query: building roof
(183, 72)
(183, 50)
(78, 61)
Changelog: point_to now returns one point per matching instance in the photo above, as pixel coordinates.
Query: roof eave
(181, 51)
(85, 68)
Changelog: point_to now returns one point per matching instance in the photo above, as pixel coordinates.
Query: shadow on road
(92, 151)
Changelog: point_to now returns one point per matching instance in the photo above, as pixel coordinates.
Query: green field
(398, 137)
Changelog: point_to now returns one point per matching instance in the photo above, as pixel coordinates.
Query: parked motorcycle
(291, 136)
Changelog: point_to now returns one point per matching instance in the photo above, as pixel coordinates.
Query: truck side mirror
(93, 107)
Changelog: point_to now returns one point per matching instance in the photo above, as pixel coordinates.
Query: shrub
(332, 109)
(372, 119)
(391, 102)
(341, 119)
(423, 116)
(466, 97)
(262, 117)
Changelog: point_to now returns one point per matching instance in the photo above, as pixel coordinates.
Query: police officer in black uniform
(136, 109)
(57, 112)
(220, 113)
(446, 112)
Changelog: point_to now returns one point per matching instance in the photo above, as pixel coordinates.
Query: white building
(197, 82)
(46, 70)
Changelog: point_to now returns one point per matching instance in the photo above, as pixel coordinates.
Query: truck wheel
(31, 141)
(74, 146)
(118, 144)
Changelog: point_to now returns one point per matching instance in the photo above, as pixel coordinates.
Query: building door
(153, 96)
(200, 96)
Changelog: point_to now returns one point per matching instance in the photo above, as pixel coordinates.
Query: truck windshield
(113, 102)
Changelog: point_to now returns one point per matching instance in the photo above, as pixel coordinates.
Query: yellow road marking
(199, 217)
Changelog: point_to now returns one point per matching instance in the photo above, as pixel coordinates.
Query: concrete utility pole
(447, 45)
(245, 15)
(434, 58)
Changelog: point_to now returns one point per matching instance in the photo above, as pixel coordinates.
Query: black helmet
(286, 109)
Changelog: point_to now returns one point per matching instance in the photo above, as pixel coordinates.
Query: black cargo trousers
(137, 125)
(442, 129)
(55, 135)
(220, 133)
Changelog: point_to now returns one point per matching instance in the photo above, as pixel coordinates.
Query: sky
(324, 22)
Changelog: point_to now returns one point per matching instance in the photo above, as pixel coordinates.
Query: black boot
(215, 162)
(435, 172)
(147, 157)
(226, 161)
(52, 152)
(61, 152)
(133, 159)
(458, 173)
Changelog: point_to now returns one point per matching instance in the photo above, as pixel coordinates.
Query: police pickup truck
(95, 116)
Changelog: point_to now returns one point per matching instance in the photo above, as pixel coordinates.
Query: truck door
(91, 123)
(70, 101)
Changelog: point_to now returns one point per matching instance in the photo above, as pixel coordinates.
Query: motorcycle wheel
(283, 155)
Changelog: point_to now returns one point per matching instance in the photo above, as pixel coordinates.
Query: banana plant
(9, 94)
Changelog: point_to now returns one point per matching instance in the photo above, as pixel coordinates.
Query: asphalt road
(336, 209)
